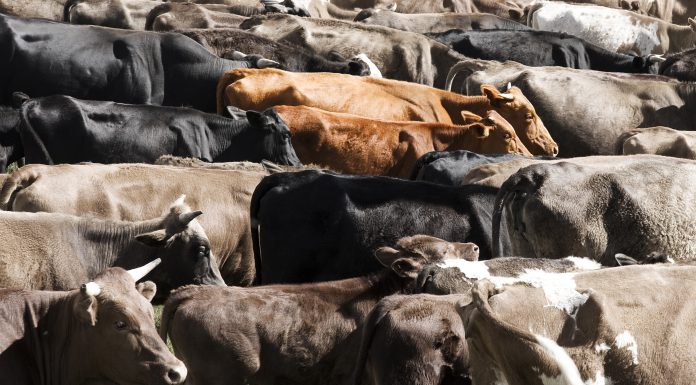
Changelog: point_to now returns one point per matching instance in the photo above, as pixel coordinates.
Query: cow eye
(529, 116)
(507, 136)
(120, 325)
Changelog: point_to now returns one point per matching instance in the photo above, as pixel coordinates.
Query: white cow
(613, 29)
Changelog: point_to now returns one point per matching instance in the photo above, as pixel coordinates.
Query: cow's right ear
(86, 305)
(148, 289)
(157, 238)
(516, 14)
(482, 131)
(406, 268)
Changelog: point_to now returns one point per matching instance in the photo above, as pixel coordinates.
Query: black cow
(10, 145)
(41, 57)
(680, 65)
(319, 226)
(61, 129)
(230, 43)
(542, 48)
(450, 167)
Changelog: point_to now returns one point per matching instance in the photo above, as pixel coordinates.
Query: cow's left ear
(515, 14)
(387, 255)
(482, 131)
(406, 267)
(494, 96)
(157, 238)
(254, 118)
(692, 23)
(148, 289)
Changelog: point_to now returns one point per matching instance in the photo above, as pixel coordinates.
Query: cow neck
(444, 138)
(222, 132)
(680, 36)
(52, 333)
(455, 104)
(104, 242)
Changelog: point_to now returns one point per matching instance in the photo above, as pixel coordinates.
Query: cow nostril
(476, 248)
(554, 150)
(177, 375)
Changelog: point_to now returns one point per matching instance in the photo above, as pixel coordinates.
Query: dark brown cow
(50, 251)
(413, 339)
(357, 145)
(134, 192)
(282, 334)
(102, 333)
(380, 99)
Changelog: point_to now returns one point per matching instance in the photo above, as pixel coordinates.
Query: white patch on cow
(374, 71)
(626, 340)
(601, 348)
(584, 263)
(473, 270)
(608, 28)
(670, 260)
(92, 288)
(570, 375)
(599, 380)
(180, 200)
(559, 289)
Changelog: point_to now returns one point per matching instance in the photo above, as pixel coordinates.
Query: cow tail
(171, 305)
(550, 350)
(26, 130)
(618, 149)
(368, 331)
(262, 188)
(16, 182)
(154, 13)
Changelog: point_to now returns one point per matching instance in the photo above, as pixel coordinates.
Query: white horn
(508, 96)
(140, 272)
(509, 86)
(236, 55)
(91, 288)
(266, 63)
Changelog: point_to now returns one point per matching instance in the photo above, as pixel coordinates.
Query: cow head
(274, 144)
(680, 65)
(516, 109)
(491, 135)
(411, 254)
(184, 248)
(115, 335)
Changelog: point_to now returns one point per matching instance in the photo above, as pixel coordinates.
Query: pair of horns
(93, 288)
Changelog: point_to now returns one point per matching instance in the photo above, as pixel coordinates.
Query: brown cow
(625, 325)
(51, 251)
(135, 192)
(357, 145)
(281, 334)
(102, 333)
(380, 99)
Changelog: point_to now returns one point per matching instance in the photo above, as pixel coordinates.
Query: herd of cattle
(363, 192)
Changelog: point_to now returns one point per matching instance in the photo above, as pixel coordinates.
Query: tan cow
(658, 141)
(136, 192)
(251, 89)
(625, 325)
(357, 145)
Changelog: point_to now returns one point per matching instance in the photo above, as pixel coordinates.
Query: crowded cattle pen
(347, 192)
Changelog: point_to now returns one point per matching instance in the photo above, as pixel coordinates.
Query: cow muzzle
(176, 375)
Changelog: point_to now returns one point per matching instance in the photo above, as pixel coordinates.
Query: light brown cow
(137, 192)
(380, 99)
(658, 141)
(103, 333)
(625, 325)
(357, 145)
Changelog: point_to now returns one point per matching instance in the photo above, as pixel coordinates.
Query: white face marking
(608, 28)
(92, 288)
(601, 348)
(584, 263)
(374, 71)
(570, 375)
(473, 270)
(626, 340)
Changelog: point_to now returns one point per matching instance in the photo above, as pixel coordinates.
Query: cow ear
(387, 255)
(148, 289)
(86, 306)
(515, 14)
(482, 131)
(494, 96)
(406, 268)
(157, 238)
(624, 260)
(335, 56)
(254, 118)
(470, 117)
(692, 23)
(235, 113)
